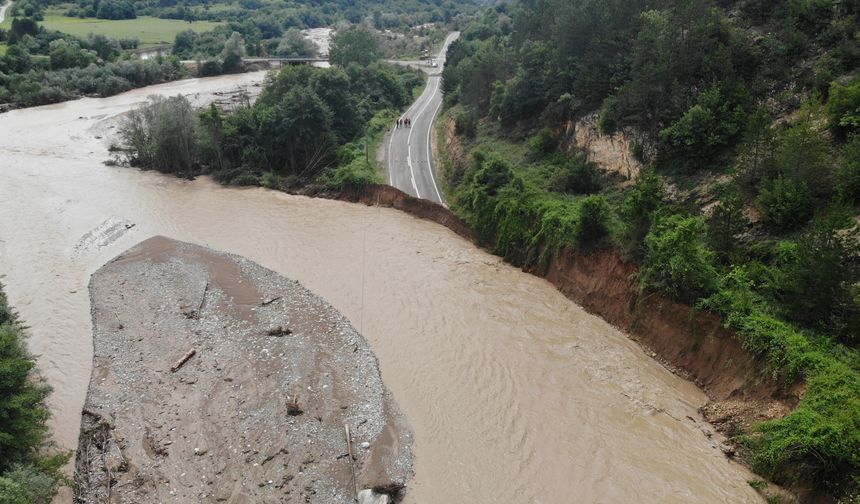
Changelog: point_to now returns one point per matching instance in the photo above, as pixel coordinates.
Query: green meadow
(149, 30)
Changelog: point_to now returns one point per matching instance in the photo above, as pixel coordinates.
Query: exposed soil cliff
(691, 343)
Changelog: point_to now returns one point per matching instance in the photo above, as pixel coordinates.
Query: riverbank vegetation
(52, 51)
(28, 475)
(311, 128)
(41, 66)
(148, 31)
(743, 117)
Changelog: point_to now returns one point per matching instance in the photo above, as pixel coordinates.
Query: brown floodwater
(514, 392)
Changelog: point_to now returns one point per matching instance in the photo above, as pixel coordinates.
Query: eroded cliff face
(612, 154)
(691, 343)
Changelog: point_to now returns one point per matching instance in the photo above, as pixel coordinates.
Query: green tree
(184, 44)
(677, 259)
(848, 172)
(232, 54)
(758, 150)
(212, 137)
(843, 107)
(639, 206)
(21, 27)
(345, 111)
(816, 276)
(22, 411)
(726, 222)
(297, 135)
(163, 135)
(708, 126)
(803, 155)
(594, 218)
(353, 45)
(65, 55)
(786, 203)
(296, 45)
(17, 59)
(577, 175)
(106, 48)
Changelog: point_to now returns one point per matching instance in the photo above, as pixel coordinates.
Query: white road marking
(430, 152)
(435, 86)
(430, 94)
(409, 162)
(390, 142)
(391, 138)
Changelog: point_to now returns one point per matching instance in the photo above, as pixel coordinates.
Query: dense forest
(39, 66)
(42, 66)
(27, 474)
(310, 129)
(272, 17)
(746, 115)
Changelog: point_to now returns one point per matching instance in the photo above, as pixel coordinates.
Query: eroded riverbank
(515, 393)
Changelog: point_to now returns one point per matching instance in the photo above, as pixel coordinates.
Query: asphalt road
(408, 152)
(3, 9)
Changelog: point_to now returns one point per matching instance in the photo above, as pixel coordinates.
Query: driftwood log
(181, 362)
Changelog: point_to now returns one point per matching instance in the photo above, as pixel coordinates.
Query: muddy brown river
(514, 392)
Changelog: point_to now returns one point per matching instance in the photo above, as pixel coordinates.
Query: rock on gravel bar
(255, 414)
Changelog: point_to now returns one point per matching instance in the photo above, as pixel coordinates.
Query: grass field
(149, 30)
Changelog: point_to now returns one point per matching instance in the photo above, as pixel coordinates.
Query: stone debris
(221, 427)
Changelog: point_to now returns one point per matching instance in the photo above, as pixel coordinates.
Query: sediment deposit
(217, 380)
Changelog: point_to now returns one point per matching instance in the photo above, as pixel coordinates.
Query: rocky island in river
(217, 380)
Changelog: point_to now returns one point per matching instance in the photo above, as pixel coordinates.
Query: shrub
(577, 176)
(677, 261)
(848, 172)
(594, 217)
(466, 125)
(607, 118)
(245, 179)
(36, 486)
(354, 175)
(726, 222)
(814, 277)
(818, 442)
(209, 68)
(162, 135)
(645, 198)
(543, 143)
(786, 203)
(843, 107)
(709, 125)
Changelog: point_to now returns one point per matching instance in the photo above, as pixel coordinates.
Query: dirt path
(225, 426)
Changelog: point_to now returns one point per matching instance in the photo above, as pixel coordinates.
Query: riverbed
(515, 394)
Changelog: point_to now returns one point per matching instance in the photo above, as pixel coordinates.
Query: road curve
(3, 10)
(408, 152)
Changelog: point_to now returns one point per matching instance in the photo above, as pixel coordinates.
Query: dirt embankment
(691, 343)
(387, 196)
(256, 411)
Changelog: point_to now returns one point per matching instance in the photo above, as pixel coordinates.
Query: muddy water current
(515, 394)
